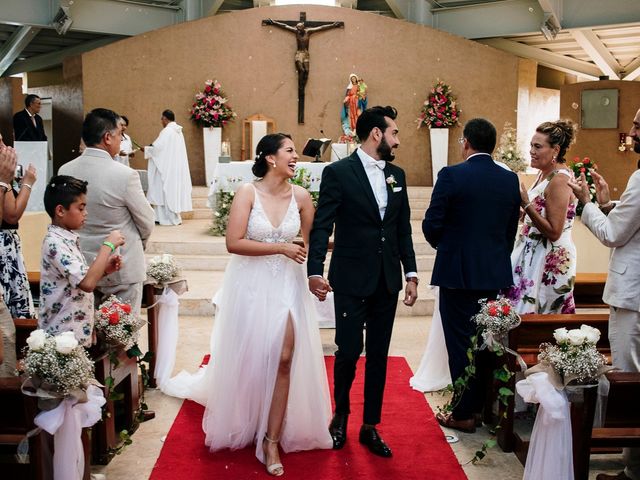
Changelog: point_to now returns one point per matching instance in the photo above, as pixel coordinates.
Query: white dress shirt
(374, 170)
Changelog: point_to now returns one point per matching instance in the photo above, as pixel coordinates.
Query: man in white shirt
(126, 146)
(169, 179)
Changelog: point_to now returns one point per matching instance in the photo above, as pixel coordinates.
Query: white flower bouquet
(496, 318)
(57, 364)
(574, 357)
(116, 323)
(163, 268)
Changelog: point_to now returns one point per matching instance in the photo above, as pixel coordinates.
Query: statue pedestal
(439, 150)
(212, 137)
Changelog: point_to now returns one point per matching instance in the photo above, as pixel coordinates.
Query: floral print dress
(544, 272)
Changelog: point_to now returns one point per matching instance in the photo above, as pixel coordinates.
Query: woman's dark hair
(561, 132)
(98, 122)
(62, 190)
(268, 145)
(374, 117)
(169, 115)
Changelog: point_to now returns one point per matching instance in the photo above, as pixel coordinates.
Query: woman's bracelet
(527, 206)
(606, 205)
(5, 186)
(29, 186)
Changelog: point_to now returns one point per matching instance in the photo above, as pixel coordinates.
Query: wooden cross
(302, 30)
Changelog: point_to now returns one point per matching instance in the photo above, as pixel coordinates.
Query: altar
(228, 177)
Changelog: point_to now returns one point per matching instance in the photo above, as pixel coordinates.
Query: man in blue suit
(471, 221)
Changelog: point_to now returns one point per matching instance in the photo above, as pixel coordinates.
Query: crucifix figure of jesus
(302, 30)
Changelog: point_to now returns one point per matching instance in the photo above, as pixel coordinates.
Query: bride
(266, 383)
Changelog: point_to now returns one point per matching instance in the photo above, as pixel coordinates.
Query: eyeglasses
(461, 140)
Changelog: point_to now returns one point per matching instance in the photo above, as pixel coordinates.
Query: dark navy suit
(472, 222)
(24, 129)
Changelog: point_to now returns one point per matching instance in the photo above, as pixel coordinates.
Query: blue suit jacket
(472, 222)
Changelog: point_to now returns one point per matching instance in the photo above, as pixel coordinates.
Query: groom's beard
(385, 152)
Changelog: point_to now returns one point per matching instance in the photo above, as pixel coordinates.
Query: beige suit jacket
(621, 231)
(115, 201)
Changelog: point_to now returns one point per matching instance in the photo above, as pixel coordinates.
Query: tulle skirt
(258, 296)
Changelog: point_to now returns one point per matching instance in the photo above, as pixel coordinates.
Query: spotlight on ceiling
(550, 27)
(62, 21)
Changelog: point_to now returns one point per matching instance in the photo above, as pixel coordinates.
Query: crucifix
(302, 30)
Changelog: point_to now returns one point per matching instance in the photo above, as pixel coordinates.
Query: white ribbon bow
(378, 163)
(65, 423)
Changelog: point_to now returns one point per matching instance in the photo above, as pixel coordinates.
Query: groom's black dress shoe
(338, 430)
(372, 439)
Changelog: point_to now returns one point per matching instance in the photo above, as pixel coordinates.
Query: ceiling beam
(544, 57)
(111, 17)
(598, 52)
(14, 45)
(48, 60)
(400, 8)
(524, 17)
(632, 71)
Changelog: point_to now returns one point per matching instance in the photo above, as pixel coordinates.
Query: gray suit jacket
(621, 231)
(115, 201)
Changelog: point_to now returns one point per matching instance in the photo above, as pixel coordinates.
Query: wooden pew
(526, 339)
(149, 291)
(119, 414)
(588, 290)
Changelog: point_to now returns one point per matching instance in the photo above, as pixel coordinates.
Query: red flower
(104, 310)
(586, 160)
(126, 308)
(114, 318)
(493, 311)
(506, 309)
(207, 89)
(582, 169)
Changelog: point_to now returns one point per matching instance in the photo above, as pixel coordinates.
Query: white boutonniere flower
(391, 181)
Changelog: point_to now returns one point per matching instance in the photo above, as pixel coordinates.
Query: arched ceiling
(586, 38)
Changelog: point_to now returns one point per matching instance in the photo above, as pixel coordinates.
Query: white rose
(66, 342)
(166, 258)
(561, 335)
(592, 335)
(576, 336)
(36, 340)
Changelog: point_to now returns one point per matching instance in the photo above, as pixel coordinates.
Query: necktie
(33, 119)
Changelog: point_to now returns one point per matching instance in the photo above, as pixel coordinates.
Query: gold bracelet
(27, 185)
(606, 205)
(5, 186)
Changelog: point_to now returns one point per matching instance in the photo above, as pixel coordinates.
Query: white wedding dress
(257, 297)
(433, 373)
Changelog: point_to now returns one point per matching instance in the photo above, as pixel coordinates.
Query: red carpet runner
(419, 449)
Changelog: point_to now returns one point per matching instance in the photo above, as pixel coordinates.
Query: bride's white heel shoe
(275, 469)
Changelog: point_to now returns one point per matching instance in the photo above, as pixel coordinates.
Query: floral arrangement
(221, 213)
(163, 268)
(574, 357)
(116, 323)
(579, 166)
(57, 364)
(496, 317)
(439, 110)
(210, 108)
(304, 179)
(508, 151)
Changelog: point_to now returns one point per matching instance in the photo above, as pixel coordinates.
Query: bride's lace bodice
(260, 229)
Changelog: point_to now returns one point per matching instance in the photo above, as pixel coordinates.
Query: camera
(19, 172)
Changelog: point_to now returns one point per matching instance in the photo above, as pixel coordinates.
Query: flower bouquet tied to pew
(116, 323)
(163, 268)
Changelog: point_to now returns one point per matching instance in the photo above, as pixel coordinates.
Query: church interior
(514, 62)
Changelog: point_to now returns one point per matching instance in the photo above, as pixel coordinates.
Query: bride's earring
(273, 164)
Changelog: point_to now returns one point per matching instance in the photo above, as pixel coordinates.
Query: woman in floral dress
(544, 257)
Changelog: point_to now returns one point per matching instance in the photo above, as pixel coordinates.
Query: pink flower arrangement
(210, 108)
(439, 110)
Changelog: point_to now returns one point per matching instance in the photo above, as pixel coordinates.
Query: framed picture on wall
(599, 108)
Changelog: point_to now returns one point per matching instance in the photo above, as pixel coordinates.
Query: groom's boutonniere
(391, 181)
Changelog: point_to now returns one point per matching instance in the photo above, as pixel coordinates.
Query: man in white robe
(169, 179)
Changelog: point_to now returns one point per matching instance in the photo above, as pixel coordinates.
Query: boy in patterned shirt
(66, 281)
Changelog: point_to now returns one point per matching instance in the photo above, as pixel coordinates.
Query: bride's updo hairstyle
(268, 145)
(561, 132)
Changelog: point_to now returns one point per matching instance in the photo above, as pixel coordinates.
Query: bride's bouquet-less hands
(163, 268)
(57, 366)
(117, 324)
(574, 357)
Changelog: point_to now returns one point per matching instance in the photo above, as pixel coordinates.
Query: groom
(365, 197)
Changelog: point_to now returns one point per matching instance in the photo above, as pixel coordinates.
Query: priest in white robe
(169, 179)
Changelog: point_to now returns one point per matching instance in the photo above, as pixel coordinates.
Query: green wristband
(110, 245)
